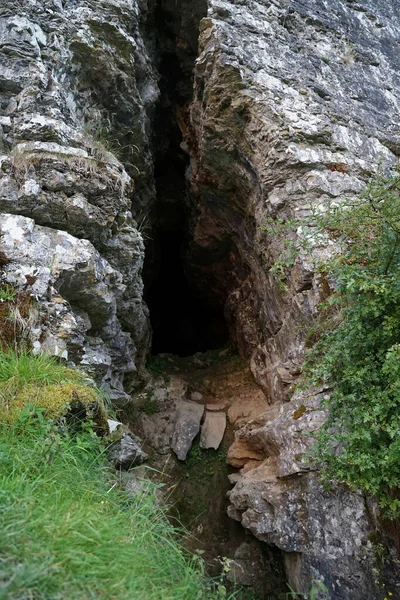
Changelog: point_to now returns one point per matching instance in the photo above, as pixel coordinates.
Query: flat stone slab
(187, 426)
(213, 429)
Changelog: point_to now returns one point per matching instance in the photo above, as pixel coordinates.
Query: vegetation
(43, 382)
(68, 529)
(68, 532)
(7, 293)
(17, 313)
(319, 591)
(357, 350)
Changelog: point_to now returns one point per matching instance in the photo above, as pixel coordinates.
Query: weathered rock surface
(213, 429)
(127, 452)
(77, 87)
(247, 564)
(187, 426)
(295, 103)
(62, 272)
(325, 534)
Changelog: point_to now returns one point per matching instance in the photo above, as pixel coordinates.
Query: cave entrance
(184, 321)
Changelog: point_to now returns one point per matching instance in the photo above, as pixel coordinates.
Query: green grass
(45, 382)
(7, 293)
(69, 533)
(25, 368)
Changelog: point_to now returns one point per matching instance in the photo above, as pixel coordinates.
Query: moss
(299, 412)
(58, 400)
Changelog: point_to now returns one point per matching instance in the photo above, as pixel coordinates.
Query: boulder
(326, 534)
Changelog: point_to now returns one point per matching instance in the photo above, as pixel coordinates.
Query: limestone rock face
(75, 291)
(326, 535)
(295, 103)
(78, 89)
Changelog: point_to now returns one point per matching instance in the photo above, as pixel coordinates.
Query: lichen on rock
(78, 89)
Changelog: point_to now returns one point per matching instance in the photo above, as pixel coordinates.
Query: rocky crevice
(183, 320)
(120, 128)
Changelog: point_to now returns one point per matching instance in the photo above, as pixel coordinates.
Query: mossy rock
(75, 402)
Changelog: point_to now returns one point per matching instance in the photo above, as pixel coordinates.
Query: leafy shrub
(360, 357)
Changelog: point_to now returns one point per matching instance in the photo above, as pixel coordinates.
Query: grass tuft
(68, 529)
(42, 381)
(67, 532)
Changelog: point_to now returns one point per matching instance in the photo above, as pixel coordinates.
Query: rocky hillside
(194, 122)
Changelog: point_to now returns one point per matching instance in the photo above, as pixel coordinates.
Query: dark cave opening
(183, 320)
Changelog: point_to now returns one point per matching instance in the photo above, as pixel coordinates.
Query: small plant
(7, 293)
(106, 146)
(150, 406)
(17, 316)
(144, 227)
(319, 591)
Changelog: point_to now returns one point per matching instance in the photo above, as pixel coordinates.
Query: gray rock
(212, 430)
(113, 425)
(325, 534)
(127, 452)
(248, 561)
(64, 109)
(187, 426)
(295, 104)
(76, 291)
